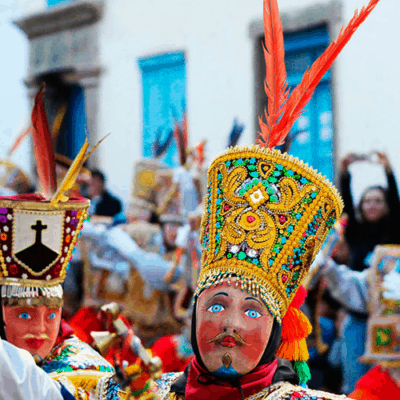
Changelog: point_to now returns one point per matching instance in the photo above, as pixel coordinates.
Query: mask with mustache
(30, 336)
(230, 344)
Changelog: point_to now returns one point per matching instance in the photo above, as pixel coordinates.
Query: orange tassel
(295, 325)
(293, 351)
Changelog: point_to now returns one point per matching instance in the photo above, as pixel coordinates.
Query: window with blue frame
(164, 85)
(51, 3)
(311, 138)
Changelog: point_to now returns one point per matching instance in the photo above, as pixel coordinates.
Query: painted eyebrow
(252, 298)
(220, 293)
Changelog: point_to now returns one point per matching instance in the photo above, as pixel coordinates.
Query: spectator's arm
(393, 193)
(348, 287)
(345, 191)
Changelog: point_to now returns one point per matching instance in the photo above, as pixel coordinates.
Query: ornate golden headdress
(267, 213)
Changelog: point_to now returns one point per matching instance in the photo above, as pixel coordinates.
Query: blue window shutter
(51, 3)
(164, 82)
(313, 142)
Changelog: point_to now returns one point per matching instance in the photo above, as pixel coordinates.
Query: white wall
(218, 49)
(368, 86)
(13, 99)
(215, 38)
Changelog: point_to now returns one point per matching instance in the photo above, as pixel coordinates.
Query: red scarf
(251, 383)
(65, 332)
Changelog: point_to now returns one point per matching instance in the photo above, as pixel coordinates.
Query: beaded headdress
(38, 232)
(267, 213)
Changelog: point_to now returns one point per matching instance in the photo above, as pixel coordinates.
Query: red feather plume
(198, 151)
(43, 147)
(275, 84)
(182, 138)
(302, 94)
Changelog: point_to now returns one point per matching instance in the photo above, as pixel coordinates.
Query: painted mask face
(232, 330)
(34, 329)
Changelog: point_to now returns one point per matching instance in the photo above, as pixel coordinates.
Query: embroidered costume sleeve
(75, 363)
(278, 391)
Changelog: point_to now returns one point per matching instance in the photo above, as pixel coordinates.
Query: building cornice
(64, 17)
(302, 18)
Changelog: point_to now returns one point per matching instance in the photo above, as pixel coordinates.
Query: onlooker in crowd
(375, 221)
(377, 218)
(103, 203)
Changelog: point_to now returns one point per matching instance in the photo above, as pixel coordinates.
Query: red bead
(250, 219)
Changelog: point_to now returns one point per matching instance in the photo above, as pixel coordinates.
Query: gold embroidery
(267, 214)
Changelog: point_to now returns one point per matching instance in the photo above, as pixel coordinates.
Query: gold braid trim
(23, 205)
(241, 272)
(51, 302)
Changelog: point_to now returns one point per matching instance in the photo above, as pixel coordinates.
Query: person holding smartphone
(374, 221)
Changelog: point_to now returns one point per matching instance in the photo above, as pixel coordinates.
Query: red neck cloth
(65, 332)
(251, 383)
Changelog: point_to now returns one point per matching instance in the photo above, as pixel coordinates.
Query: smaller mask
(34, 329)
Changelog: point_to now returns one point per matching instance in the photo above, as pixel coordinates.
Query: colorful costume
(38, 237)
(266, 216)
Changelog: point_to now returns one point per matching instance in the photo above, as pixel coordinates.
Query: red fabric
(37, 197)
(85, 321)
(251, 383)
(377, 384)
(299, 298)
(65, 332)
(166, 349)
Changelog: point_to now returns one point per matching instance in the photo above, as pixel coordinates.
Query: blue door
(164, 82)
(71, 135)
(313, 132)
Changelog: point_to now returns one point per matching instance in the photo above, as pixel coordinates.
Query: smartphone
(361, 157)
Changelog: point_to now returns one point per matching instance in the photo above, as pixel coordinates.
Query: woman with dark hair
(377, 218)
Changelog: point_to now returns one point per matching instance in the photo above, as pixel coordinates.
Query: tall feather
(198, 152)
(58, 120)
(275, 84)
(73, 172)
(161, 148)
(235, 133)
(43, 146)
(20, 138)
(181, 135)
(302, 94)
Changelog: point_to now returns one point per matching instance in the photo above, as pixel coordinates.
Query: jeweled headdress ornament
(267, 213)
(38, 232)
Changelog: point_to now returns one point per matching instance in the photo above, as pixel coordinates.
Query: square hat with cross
(37, 241)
